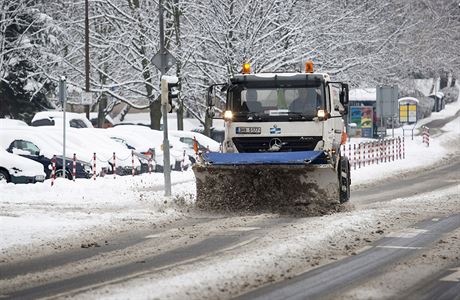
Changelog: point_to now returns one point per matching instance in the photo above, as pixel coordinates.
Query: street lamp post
(87, 107)
(164, 110)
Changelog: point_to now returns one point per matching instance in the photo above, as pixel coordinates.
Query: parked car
(204, 143)
(217, 134)
(145, 143)
(17, 169)
(55, 118)
(154, 140)
(131, 142)
(41, 149)
(86, 141)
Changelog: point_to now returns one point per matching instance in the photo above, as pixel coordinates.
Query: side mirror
(344, 98)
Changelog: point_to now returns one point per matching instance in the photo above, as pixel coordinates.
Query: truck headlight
(321, 114)
(228, 115)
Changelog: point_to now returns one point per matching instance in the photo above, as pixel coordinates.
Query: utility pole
(164, 110)
(87, 107)
(63, 99)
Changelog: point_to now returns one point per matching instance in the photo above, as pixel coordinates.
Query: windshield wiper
(251, 116)
(295, 116)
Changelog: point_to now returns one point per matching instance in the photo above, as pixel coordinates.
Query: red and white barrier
(182, 164)
(114, 165)
(374, 152)
(53, 170)
(74, 167)
(113, 159)
(354, 156)
(150, 165)
(94, 166)
(426, 136)
(133, 171)
(403, 148)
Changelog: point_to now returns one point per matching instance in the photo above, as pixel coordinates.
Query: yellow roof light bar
(246, 68)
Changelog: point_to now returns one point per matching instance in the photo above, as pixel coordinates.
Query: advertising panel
(362, 116)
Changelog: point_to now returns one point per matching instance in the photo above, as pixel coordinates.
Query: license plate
(39, 178)
(248, 130)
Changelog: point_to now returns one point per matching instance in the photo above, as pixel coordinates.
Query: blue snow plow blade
(265, 158)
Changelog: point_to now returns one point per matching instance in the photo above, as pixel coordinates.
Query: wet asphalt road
(330, 279)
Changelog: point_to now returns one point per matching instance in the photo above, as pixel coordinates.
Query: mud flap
(310, 188)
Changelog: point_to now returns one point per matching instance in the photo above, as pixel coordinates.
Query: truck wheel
(344, 180)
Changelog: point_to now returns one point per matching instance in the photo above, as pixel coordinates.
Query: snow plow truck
(283, 133)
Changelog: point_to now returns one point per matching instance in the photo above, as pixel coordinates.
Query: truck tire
(344, 180)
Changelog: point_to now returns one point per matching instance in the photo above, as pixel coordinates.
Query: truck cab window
(281, 101)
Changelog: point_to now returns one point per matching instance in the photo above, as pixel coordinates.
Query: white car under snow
(154, 138)
(17, 169)
(55, 118)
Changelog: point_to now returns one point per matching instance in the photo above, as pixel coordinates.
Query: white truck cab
(283, 112)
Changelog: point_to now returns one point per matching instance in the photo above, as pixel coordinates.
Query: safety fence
(374, 152)
(114, 161)
(426, 136)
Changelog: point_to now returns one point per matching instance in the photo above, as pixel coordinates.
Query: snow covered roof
(366, 94)
(12, 123)
(438, 95)
(59, 115)
(408, 99)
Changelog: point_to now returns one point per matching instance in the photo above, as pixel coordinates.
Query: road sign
(169, 58)
(387, 101)
(87, 98)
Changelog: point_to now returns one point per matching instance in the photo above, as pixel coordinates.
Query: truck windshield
(280, 102)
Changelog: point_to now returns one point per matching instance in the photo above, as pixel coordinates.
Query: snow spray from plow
(291, 182)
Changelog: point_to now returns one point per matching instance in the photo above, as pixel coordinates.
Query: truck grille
(289, 143)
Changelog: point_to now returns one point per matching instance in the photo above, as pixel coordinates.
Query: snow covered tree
(362, 42)
(26, 36)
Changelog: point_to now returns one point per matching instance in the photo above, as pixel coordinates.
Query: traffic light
(169, 91)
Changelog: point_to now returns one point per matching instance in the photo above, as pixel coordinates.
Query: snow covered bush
(450, 94)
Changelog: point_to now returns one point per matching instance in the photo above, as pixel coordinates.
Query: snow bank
(36, 213)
